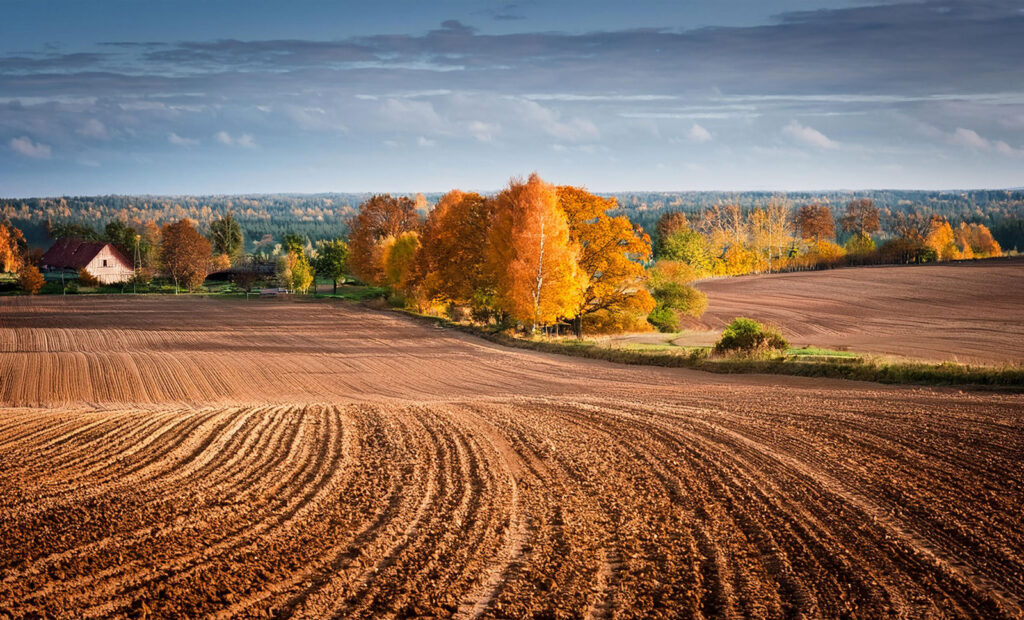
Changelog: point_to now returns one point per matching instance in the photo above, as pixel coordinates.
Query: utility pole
(135, 265)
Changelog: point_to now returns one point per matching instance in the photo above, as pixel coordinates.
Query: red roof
(70, 253)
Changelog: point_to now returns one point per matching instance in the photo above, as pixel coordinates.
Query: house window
(104, 262)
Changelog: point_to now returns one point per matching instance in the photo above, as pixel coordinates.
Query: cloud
(27, 148)
(177, 140)
(244, 140)
(968, 138)
(699, 134)
(425, 142)
(484, 132)
(971, 139)
(93, 128)
(809, 136)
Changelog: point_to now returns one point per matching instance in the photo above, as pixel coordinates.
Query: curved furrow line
(945, 558)
(910, 565)
(174, 439)
(203, 582)
(688, 557)
(164, 487)
(564, 565)
(995, 576)
(134, 548)
(288, 467)
(365, 593)
(371, 491)
(124, 506)
(793, 527)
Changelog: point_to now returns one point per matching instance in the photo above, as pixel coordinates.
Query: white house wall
(114, 271)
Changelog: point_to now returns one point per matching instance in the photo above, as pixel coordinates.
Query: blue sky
(149, 96)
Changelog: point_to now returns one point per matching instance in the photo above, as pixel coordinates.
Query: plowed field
(187, 457)
(968, 312)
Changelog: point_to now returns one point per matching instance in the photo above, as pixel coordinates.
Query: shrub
(30, 280)
(748, 336)
(685, 299)
(665, 319)
(87, 279)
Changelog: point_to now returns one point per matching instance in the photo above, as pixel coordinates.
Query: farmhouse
(102, 260)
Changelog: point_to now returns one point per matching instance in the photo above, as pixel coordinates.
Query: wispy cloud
(243, 140)
(809, 136)
(177, 140)
(699, 134)
(27, 148)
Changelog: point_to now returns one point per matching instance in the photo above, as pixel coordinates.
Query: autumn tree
(397, 255)
(724, 227)
(668, 224)
(294, 271)
(975, 240)
(941, 239)
(450, 265)
(331, 260)
(532, 257)
(380, 217)
(771, 229)
(30, 280)
(861, 217)
(185, 254)
(226, 236)
(610, 258)
(12, 248)
(816, 222)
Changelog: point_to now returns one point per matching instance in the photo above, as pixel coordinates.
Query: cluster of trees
(534, 254)
(727, 240)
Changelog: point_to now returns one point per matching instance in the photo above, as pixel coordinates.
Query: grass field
(187, 456)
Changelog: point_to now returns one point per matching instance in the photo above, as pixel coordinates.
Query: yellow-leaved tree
(532, 259)
(611, 256)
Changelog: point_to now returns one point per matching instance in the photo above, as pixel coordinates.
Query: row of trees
(726, 240)
(535, 253)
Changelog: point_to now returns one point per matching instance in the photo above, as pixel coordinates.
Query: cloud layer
(892, 95)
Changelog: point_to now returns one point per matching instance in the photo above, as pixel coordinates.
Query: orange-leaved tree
(30, 279)
(611, 256)
(450, 264)
(185, 254)
(975, 240)
(380, 217)
(12, 248)
(815, 222)
(531, 257)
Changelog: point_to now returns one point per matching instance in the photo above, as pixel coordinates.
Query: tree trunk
(577, 326)
(335, 286)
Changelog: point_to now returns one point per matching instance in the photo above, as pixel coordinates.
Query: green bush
(681, 297)
(748, 336)
(665, 319)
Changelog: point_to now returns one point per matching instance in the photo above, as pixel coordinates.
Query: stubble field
(184, 457)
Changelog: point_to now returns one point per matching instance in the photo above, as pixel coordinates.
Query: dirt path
(185, 457)
(968, 312)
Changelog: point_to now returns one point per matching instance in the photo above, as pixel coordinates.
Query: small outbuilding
(104, 261)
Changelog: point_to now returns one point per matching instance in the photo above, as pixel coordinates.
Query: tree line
(533, 255)
(728, 240)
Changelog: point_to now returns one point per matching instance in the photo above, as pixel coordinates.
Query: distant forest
(325, 216)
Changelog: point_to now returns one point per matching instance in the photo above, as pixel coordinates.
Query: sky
(232, 96)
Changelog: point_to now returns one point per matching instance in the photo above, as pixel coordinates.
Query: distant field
(970, 312)
(189, 457)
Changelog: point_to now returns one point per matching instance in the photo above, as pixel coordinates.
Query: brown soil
(186, 457)
(970, 312)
